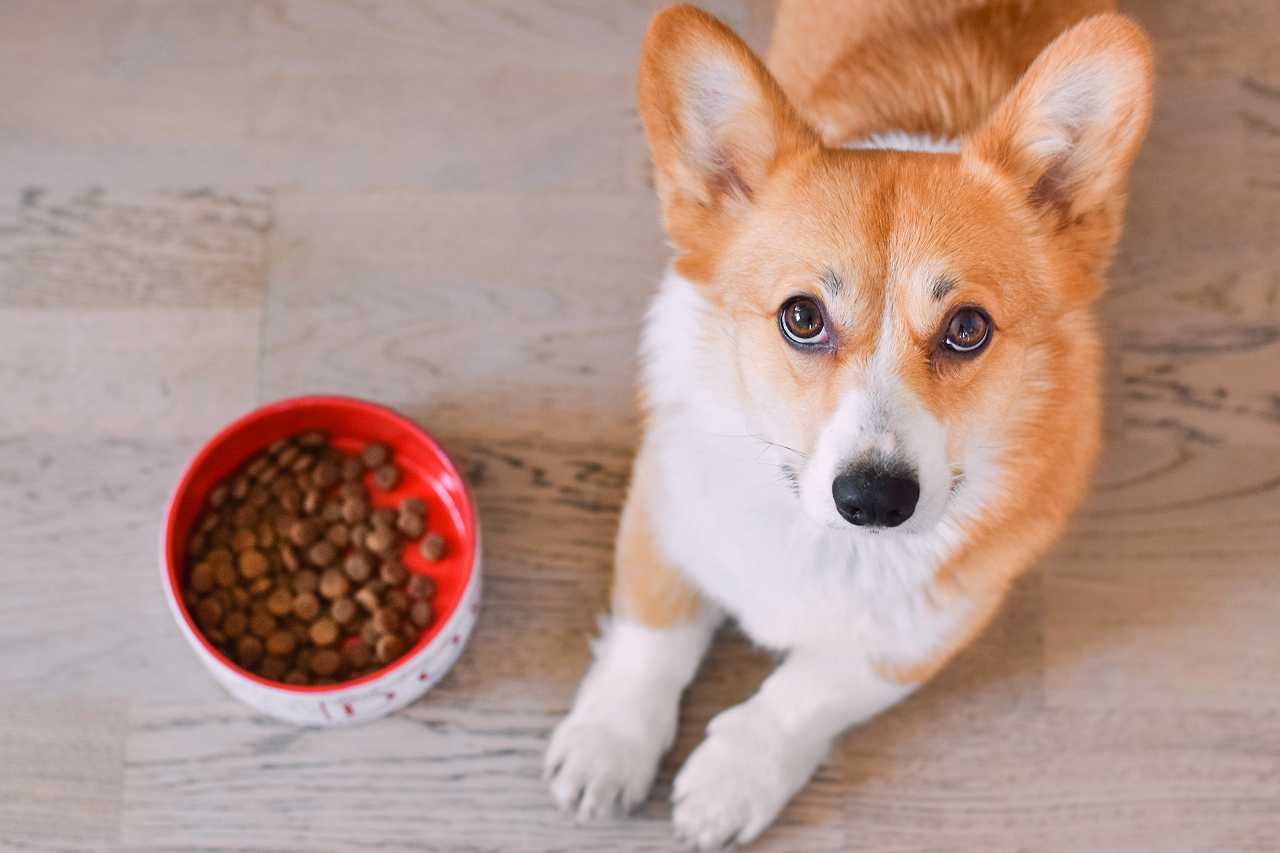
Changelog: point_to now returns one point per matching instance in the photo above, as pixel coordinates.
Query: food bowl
(426, 471)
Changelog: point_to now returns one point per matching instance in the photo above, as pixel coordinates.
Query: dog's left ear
(717, 123)
(1069, 130)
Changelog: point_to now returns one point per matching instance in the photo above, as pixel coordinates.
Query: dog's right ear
(717, 123)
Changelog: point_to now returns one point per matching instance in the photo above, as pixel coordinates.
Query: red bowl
(426, 472)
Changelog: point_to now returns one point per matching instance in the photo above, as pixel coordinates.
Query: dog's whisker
(762, 440)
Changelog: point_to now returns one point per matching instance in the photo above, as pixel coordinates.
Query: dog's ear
(717, 122)
(1069, 130)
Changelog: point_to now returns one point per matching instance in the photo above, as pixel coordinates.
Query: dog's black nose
(875, 499)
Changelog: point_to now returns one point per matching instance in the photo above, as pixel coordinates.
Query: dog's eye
(968, 331)
(801, 321)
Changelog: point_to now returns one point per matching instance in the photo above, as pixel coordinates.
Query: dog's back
(854, 68)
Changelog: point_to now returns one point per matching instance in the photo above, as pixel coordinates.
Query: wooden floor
(207, 205)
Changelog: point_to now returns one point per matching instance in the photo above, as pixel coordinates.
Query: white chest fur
(726, 517)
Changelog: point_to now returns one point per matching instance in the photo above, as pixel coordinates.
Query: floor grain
(445, 206)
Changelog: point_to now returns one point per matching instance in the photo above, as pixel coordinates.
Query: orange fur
(647, 590)
(1034, 261)
(934, 67)
(926, 472)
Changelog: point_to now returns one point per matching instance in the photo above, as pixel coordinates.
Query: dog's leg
(603, 756)
(758, 754)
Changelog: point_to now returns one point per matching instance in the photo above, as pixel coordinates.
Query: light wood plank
(1164, 595)
(131, 315)
(537, 319)
(447, 207)
(62, 771)
(81, 609)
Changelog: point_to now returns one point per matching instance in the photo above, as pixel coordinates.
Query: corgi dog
(870, 375)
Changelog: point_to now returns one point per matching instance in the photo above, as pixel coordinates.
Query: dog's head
(908, 323)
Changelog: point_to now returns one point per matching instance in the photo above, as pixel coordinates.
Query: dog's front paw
(735, 783)
(597, 770)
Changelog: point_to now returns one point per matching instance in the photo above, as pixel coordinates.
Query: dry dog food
(294, 572)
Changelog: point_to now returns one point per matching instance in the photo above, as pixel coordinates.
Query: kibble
(386, 620)
(252, 564)
(354, 510)
(350, 469)
(209, 613)
(325, 662)
(386, 477)
(280, 602)
(202, 577)
(397, 600)
(257, 466)
(421, 586)
(274, 666)
(245, 516)
(410, 525)
(248, 650)
(343, 610)
(295, 574)
(367, 597)
(281, 643)
(324, 632)
(381, 540)
(339, 536)
(334, 584)
(243, 539)
(389, 648)
(322, 553)
(304, 532)
(432, 547)
(420, 613)
(306, 606)
(300, 631)
(375, 454)
(305, 581)
(358, 567)
(325, 475)
(261, 625)
(235, 624)
(393, 572)
(358, 655)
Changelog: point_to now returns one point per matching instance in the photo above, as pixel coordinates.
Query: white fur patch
(840, 600)
(758, 754)
(603, 756)
(738, 532)
(898, 140)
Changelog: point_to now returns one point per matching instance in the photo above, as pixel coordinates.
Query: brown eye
(968, 331)
(801, 321)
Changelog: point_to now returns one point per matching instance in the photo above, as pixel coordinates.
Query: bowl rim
(202, 456)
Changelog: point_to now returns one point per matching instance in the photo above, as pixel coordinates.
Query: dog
(870, 375)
